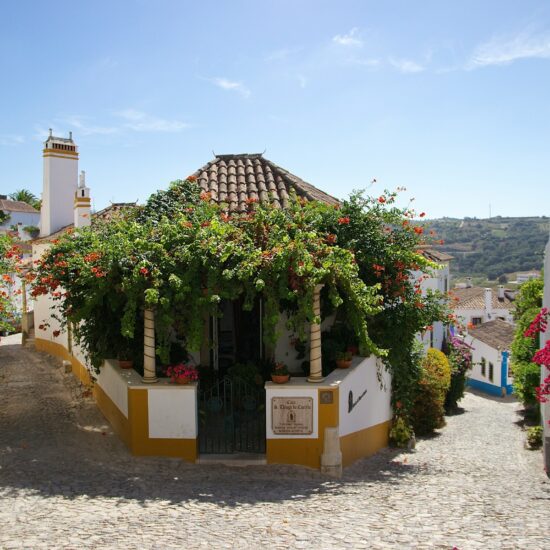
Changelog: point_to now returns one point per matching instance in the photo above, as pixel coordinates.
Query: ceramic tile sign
(292, 415)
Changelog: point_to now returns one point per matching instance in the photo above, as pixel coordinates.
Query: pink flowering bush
(182, 370)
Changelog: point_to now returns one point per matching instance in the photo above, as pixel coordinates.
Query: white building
(436, 280)
(475, 305)
(491, 343)
(20, 215)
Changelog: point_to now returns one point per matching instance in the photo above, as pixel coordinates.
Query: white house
(315, 421)
(436, 280)
(475, 305)
(20, 215)
(491, 343)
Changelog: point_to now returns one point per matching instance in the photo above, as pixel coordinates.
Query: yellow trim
(364, 443)
(58, 350)
(82, 201)
(59, 152)
(134, 430)
(305, 452)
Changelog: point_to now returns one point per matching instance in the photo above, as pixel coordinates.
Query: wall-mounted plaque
(292, 415)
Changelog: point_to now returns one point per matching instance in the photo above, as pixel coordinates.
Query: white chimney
(82, 206)
(468, 282)
(501, 292)
(488, 304)
(59, 184)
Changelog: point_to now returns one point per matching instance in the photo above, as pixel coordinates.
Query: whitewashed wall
(480, 350)
(375, 406)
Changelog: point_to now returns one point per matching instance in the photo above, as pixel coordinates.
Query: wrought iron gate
(232, 417)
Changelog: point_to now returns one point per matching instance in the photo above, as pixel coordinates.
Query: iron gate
(232, 417)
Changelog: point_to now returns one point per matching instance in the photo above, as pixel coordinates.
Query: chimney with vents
(501, 292)
(82, 209)
(488, 304)
(469, 282)
(59, 183)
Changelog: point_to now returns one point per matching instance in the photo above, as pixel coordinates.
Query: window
(483, 367)
(476, 321)
(446, 284)
(491, 369)
(431, 338)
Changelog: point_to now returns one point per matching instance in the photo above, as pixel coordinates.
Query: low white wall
(115, 385)
(374, 407)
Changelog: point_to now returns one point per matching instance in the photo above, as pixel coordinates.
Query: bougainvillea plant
(188, 372)
(181, 255)
(10, 254)
(542, 356)
(460, 360)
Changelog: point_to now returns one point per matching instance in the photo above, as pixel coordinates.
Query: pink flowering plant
(182, 370)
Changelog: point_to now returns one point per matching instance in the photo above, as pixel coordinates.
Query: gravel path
(66, 481)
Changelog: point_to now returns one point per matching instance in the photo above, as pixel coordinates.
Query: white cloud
(505, 50)
(231, 85)
(86, 129)
(11, 139)
(349, 39)
(406, 65)
(302, 80)
(138, 121)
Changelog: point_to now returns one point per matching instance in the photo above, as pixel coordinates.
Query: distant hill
(493, 247)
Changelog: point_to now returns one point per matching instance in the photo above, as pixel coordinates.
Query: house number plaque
(292, 415)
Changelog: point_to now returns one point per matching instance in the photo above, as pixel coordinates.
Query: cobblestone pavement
(66, 481)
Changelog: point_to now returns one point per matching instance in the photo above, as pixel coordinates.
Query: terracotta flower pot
(125, 363)
(343, 363)
(280, 378)
(182, 380)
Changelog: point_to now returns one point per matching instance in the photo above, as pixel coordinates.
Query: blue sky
(447, 98)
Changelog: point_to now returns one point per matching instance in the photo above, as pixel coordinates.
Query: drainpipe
(315, 364)
(149, 374)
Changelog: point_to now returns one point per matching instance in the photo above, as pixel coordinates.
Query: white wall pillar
(315, 358)
(149, 374)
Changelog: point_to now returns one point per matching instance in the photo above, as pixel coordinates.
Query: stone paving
(66, 481)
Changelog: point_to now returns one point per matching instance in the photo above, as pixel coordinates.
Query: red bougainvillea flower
(205, 224)
(418, 230)
(191, 178)
(344, 220)
(251, 200)
(144, 271)
(331, 238)
(382, 199)
(205, 196)
(56, 333)
(422, 214)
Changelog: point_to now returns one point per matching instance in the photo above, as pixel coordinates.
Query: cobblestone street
(66, 481)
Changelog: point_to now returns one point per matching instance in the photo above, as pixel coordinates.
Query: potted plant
(125, 360)
(182, 373)
(280, 374)
(343, 359)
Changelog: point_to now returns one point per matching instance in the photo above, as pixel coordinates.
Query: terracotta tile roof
(234, 179)
(497, 334)
(105, 214)
(474, 298)
(17, 206)
(435, 255)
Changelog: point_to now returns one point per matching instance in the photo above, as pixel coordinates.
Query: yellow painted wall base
(134, 430)
(305, 452)
(364, 443)
(58, 350)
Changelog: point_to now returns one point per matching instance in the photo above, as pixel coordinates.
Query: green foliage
(526, 373)
(4, 217)
(490, 248)
(184, 266)
(32, 230)
(428, 410)
(7, 266)
(534, 437)
(400, 433)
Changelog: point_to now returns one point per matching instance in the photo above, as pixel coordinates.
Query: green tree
(526, 373)
(24, 195)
